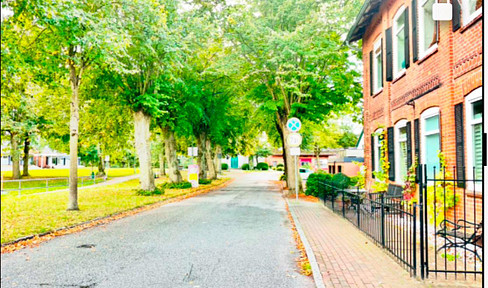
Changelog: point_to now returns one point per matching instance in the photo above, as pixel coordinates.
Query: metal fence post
(421, 214)
(47, 185)
(343, 205)
(382, 220)
(20, 187)
(332, 200)
(414, 237)
(358, 208)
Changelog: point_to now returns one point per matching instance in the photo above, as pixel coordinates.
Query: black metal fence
(391, 223)
(451, 234)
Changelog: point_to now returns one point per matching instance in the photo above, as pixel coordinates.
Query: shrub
(280, 169)
(341, 181)
(180, 185)
(283, 177)
(262, 166)
(157, 191)
(280, 165)
(225, 166)
(313, 181)
(245, 167)
(204, 181)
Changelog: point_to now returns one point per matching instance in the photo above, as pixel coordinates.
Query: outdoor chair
(462, 234)
(392, 199)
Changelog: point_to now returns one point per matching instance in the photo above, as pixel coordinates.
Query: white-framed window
(399, 43)
(401, 151)
(471, 9)
(474, 136)
(377, 66)
(427, 28)
(430, 140)
(378, 142)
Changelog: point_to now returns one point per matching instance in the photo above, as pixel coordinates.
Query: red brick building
(422, 85)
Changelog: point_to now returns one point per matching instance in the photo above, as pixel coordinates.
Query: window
(339, 169)
(427, 28)
(377, 66)
(430, 143)
(378, 142)
(401, 150)
(474, 134)
(471, 10)
(399, 42)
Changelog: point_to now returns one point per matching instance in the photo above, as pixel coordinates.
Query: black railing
(391, 223)
(452, 234)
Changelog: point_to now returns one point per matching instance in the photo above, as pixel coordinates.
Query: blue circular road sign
(293, 124)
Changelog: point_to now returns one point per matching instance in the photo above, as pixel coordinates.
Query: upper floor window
(399, 31)
(427, 28)
(377, 66)
(471, 10)
(474, 134)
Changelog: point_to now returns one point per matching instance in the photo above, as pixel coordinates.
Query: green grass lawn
(29, 215)
(82, 171)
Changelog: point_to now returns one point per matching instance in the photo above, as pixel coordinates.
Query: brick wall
(455, 66)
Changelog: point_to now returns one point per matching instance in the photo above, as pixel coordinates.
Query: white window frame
(474, 96)
(468, 18)
(377, 148)
(420, 29)
(396, 71)
(377, 45)
(400, 124)
(431, 112)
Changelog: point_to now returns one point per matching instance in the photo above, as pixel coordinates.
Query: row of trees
(127, 73)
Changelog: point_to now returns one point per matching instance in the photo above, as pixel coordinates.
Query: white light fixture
(442, 11)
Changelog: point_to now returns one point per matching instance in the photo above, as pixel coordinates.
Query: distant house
(345, 161)
(49, 158)
(306, 158)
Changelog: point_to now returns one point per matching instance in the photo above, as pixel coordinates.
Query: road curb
(317, 276)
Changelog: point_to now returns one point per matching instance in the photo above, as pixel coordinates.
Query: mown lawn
(84, 171)
(29, 215)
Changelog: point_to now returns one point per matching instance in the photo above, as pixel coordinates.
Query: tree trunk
(317, 157)
(26, 156)
(15, 155)
(162, 171)
(279, 127)
(171, 157)
(212, 174)
(143, 148)
(75, 81)
(202, 161)
(250, 159)
(217, 164)
(101, 165)
(290, 162)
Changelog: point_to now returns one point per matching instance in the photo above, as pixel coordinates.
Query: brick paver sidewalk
(346, 257)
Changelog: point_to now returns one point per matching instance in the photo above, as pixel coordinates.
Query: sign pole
(296, 176)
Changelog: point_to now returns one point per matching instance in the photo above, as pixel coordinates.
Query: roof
(366, 14)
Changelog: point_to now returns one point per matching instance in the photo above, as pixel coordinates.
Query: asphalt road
(238, 236)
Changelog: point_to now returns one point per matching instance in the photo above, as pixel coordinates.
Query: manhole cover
(86, 246)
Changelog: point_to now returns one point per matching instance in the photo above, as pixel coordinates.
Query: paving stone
(347, 257)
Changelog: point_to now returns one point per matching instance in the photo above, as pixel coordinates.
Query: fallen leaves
(302, 261)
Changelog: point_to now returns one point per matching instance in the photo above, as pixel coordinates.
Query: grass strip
(46, 214)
